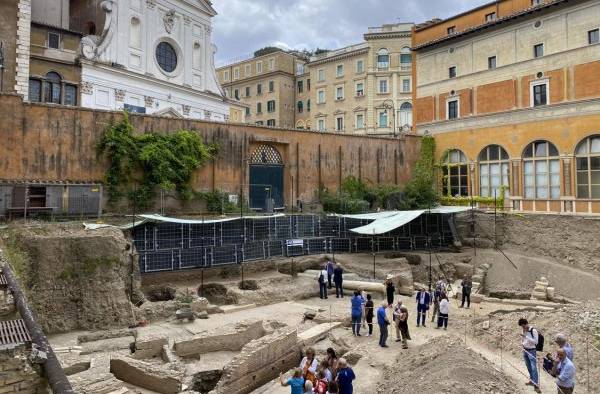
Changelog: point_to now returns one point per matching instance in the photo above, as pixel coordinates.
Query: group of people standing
(331, 273)
(559, 364)
(332, 375)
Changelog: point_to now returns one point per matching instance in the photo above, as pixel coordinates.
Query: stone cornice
(379, 36)
(339, 57)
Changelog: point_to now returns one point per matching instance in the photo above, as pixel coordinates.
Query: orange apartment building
(511, 93)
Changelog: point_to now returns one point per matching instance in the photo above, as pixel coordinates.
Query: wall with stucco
(56, 143)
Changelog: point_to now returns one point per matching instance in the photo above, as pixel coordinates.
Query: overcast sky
(243, 26)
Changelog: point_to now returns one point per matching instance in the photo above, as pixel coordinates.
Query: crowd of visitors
(332, 375)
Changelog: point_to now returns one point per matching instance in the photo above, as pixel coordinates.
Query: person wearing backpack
(533, 342)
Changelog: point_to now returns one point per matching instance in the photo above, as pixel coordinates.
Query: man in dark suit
(338, 271)
(423, 300)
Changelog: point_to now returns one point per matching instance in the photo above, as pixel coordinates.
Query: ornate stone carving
(206, 114)
(186, 109)
(169, 20)
(149, 101)
(151, 4)
(92, 47)
(87, 87)
(208, 29)
(119, 95)
(187, 20)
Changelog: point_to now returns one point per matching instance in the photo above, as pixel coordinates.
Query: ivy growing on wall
(139, 165)
(419, 192)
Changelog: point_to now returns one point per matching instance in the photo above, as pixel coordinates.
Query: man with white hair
(562, 342)
(383, 322)
(565, 373)
(345, 376)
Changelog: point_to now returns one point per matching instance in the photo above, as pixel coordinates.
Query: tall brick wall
(51, 143)
(23, 47)
(17, 375)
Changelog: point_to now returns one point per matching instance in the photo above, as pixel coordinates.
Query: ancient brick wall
(259, 362)
(48, 143)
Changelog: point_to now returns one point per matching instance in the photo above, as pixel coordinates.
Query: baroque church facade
(155, 57)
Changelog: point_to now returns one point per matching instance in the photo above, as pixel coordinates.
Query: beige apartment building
(360, 89)
(266, 86)
(365, 88)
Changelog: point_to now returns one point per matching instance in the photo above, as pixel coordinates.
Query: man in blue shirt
(345, 376)
(383, 322)
(563, 343)
(296, 382)
(565, 373)
(356, 302)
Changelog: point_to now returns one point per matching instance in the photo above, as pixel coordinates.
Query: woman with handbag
(309, 365)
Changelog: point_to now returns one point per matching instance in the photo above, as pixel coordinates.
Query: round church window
(166, 56)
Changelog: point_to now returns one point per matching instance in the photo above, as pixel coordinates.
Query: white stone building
(155, 57)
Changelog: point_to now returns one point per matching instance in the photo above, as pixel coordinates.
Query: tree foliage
(419, 192)
(266, 51)
(141, 164)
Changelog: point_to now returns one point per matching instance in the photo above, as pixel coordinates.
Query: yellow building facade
(511, 93)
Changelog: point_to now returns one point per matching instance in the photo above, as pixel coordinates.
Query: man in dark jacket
(423, 300)
(338, 279)
(330, 268)
(467, 285)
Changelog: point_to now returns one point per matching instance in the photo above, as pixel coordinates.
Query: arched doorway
(266, 177)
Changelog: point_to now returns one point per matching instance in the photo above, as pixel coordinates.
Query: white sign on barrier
(294, 242)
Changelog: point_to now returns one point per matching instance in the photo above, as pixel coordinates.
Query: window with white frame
(452, 72)
(271, 64)
(406, 114)
(538, 50)
(339, 70)
(383, 118)
(259, 66)
(271, 86)
(383, 86)
(587, 155)
(321, 96)
(490, 17)
(321, 124)
(339, 123)
(405, 57)
(226, 75)
(541, 170)
(339, 93)
(360, 89)
(360, 66)
(539, 93)
(493, 172)
(236, 73)
(455, 173)
(360, 121)
(406, 85)
(453, 109)
(594, 36)
(321, 75)
(53, 40)
(383, 59)
(491, 62)
(247, 70)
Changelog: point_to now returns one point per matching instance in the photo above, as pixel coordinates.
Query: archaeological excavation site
(225, 305)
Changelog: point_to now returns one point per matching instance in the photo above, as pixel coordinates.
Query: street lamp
(393, 108)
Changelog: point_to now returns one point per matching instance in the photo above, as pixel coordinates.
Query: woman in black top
(369, 314)
(390, 290)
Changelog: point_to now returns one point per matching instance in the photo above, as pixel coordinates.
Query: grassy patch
(87, 267)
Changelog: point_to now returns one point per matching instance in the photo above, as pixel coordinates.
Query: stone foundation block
(144, 375)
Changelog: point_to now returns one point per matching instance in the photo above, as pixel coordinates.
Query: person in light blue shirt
(357, 306)
(565, 373)
(383, 322)
(296, 382)
(562, 342)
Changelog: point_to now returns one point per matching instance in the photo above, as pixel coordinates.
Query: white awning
(384, 222)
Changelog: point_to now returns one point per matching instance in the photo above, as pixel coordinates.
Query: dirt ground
(463, 359)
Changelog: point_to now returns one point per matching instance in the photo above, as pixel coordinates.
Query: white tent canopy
(384, 222)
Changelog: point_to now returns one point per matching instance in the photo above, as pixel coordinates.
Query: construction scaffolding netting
(168, 244)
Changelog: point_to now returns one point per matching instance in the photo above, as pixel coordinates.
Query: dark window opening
(166, 57)
(540, 95)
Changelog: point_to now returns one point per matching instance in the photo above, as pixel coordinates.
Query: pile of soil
(444, 365)
(578, 322)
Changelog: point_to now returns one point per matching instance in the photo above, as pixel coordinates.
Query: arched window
(135, 33)
(52, 88)
(405, 57)
(266, 154)
(300, 107)
(541, 170)
(383, 59)
(455, 172)
(406, 114)
(493, 171)
(588, 167)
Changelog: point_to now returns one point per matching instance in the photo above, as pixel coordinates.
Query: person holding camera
(383, 322)
(530, 342)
